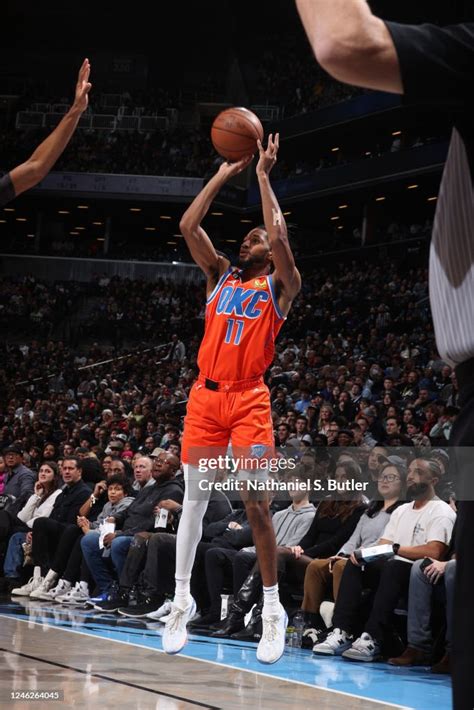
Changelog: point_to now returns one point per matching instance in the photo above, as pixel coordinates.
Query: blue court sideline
(409, 688)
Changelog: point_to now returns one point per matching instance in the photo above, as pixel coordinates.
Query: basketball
(235, 132)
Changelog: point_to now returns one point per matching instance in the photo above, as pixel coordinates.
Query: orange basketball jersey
(242, 322)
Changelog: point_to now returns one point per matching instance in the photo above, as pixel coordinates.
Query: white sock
(271, 600)
(37, 572)
(182, 594)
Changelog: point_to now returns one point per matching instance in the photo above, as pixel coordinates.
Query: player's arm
(287, 277)
(201, 248)
(36, 168)
(351, 44)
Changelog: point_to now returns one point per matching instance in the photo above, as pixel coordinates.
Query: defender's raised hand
(268, 157)
(83, 87)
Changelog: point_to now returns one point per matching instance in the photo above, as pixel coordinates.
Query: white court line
(215, 663)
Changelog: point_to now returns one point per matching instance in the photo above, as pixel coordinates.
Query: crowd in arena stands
(92, 487)
(181, 152)
(289, 167)
(35, 306)
(141, 311)
(296, 87)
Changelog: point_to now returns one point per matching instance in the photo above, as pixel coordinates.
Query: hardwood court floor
(95, 665)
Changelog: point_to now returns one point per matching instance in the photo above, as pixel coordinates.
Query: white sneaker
(272, 644)
(43, 589)
(175, 633)
(27, 588)
(62, 587)
(335, 643)
(77, 595)
(160, 614)
(365, 648)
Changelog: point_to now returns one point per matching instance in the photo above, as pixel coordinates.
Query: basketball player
(31, 172)
(434, 65)
(246, 308)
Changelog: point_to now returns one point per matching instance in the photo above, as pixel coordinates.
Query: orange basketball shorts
(216, 418)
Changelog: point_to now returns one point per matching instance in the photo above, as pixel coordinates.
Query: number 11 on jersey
(230, 336)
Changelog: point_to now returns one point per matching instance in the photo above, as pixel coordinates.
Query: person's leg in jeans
(420, 602)
(95, 561)
(119, 551)
(14, 557)
(134, 562)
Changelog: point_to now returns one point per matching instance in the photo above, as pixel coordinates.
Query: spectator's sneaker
(79, 594)
(27, 588)
(175, 633)
(113, 603)
(143, 608)
(62, 587)
(272, 644)
(43, 589)
(312, 636)
(365, 648)
(160, 614)
(99, 598)
(334, 644)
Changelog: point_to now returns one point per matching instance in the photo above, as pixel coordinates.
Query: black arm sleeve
(7, 191)
(436, 63)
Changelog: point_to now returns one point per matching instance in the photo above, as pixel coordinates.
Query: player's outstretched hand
(228, 170)
(83, 87)
(268, 157)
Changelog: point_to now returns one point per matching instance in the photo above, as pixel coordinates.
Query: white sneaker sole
(329, 651)
(365, 659)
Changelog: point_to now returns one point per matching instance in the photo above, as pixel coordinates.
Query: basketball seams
(234, 133)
